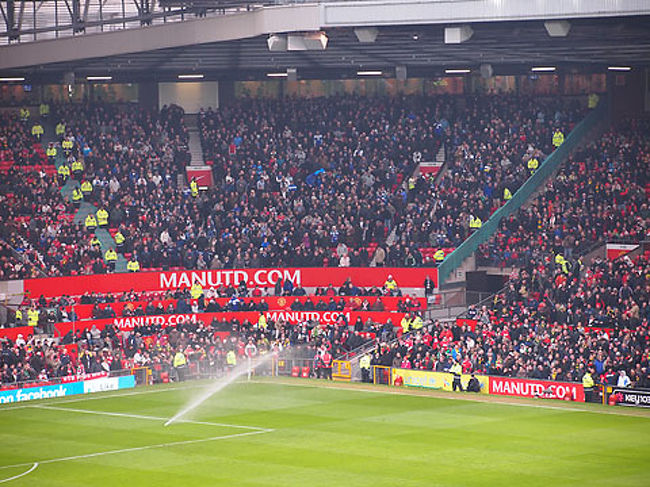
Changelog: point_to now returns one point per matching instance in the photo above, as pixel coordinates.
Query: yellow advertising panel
(436, 380)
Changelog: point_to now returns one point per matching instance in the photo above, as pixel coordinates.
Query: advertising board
(66, 389)
(213, 278)
(508, 386)
(437, 380)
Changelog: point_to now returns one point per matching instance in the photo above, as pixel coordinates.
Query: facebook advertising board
(67, 389)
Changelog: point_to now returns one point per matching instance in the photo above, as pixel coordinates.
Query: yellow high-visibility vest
(133, 266)
(86, 187)
(110, 255)
(60, 129)
(439, 256)
(102, 216)
(507, 195)
(119, 238)
(51, 152)
(533, 164)
(179, 359)
(231, 358)
(77, 195)
(194, 188)
(196, 290)
(32, 317)
(91, 222)
(558, 138)
(406, 324)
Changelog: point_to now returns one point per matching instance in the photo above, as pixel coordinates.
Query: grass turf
(320, 436)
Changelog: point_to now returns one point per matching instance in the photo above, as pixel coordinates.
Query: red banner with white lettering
(506, 386)
(293, 317)
(282, 303)
(164, 281)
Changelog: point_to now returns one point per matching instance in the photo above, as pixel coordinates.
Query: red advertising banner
(12, 333)
(467, 322)
(214, 278)
(282, 303)
(506, 386)
(293, 317)
(614, 251)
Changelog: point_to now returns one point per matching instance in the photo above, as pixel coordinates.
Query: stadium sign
(437, 380)
(264, 278)
(67, 389)
(632, 397)
(506, 386)
(292, 317)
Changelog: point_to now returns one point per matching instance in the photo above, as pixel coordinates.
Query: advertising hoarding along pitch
(632, 397)
(164, 281)
(67, 389)
(437, 380)
(507, 386)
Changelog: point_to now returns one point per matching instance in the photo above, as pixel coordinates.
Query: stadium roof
(509, 45)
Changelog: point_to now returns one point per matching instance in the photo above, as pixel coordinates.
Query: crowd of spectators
(489, 149)
(598, 196)
(526, 348)
(128, 153)
(205, 346)
(318, 182)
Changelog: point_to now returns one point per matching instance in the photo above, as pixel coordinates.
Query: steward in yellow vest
(64, 173)
(507, 195)
(111, 258)
(86, 189)
(102, 218)
(533, 164)
(19, 317)
(231, 359)
(77, 197)
(44, 109)
(37, 131)
(439, 256)
(261, 322)
(558, 138)
(194, 188)
(32, 317)
(51, 153)
(119, 240)
(91, 222)
(133, 265)
(24, 114)
(406, 323)
(475, 222)
(60, 129)
(196, 290)
(67, 146)
(77, 168)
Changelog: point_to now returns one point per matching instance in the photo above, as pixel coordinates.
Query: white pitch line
(138, 448)
(154, 418)
(21, 475)
(101, 396)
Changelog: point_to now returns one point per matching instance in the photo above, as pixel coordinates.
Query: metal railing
(30, 20)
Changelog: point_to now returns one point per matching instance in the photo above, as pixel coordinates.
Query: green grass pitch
(284, 432)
